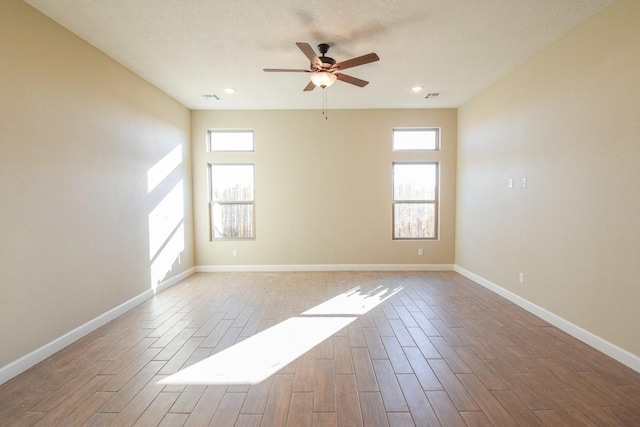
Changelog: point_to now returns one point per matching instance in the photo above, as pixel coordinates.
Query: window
(416, 139)
(415, 200)
(230, 140)
(232, 201)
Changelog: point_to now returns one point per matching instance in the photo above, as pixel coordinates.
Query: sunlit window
(416, 139)
(230, 140)
(415, 200)
(232, 201)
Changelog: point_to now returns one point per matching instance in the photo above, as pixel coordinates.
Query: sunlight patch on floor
(353, 302)
(255, 359)
(258, 357)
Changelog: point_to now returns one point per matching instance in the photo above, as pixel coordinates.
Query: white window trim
(210, 132)
(435, 202)
(416, 129)
(212, 202)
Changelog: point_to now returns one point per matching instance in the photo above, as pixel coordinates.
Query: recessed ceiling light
(417, 89)
(230, 91)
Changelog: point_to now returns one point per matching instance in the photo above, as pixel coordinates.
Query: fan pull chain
(324, 103)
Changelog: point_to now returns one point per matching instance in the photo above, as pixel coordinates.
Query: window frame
(414, 129)
(209, 146)
(213, 202)
(435, 201)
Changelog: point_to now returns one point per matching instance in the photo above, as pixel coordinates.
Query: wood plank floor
(441, 350)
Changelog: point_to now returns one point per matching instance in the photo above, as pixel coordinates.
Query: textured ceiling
(189, 48)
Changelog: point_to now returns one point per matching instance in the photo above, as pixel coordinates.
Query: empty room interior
(205, 221)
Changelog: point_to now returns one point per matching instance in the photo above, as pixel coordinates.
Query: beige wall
(78, 135)
(323, 187)
(568, 121)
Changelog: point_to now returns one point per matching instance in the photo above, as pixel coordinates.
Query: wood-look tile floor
(440, 351)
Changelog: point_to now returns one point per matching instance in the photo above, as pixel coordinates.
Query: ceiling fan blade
(310, 54)
(309, 87)
(352, 80)
(354, 62)
(284, 70)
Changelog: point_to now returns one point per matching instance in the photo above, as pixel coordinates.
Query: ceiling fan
(325, 70)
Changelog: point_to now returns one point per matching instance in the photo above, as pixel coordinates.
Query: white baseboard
(323, 267)
(25, 362)
(175, 280)
(621, 355)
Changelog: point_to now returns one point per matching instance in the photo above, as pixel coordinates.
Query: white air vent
(432, 95)
(209, 97)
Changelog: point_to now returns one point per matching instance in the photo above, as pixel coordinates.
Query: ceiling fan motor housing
(327, 62)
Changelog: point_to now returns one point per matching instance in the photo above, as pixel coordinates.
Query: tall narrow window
(415, 200)
(232, 201)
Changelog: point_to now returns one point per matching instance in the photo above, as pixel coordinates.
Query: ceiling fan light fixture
(323, 79)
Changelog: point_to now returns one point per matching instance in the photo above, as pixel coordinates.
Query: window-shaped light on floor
(258, 357)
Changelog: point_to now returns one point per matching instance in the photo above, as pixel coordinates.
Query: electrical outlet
(420, 251)
(524, 182)
(521, 277)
